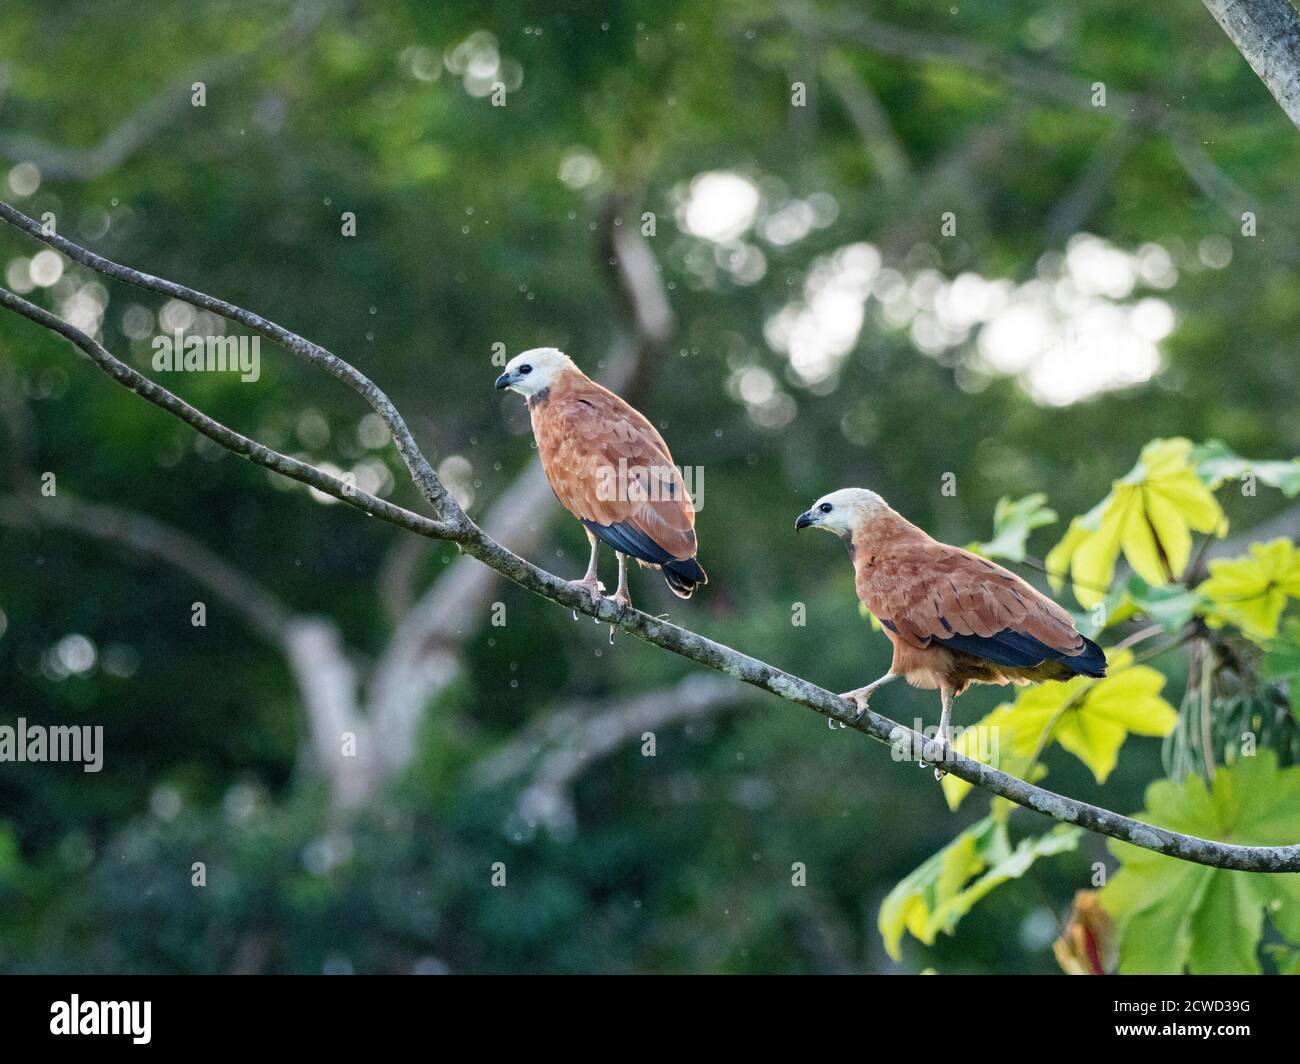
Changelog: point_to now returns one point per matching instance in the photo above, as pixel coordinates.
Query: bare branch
(312, 646)
(908, 744)
(1267, 34)
(420, 469)
(328, 682)
(1071, 213)
(1032, 78)
(421, 660)
(1208, 177)
(993, 62)
(548, 798)
(17, 417)
(578, 736)
(870, 117)
(152, 539)
(83, 164)
(219, 433)
(396, 583)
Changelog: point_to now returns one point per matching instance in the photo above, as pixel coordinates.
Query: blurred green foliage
(468, 237)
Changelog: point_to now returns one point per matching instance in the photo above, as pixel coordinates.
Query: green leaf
(1281, 663)
(1172, 915)
(1215, 463)
(867, 615)
(1286, 958)
(1251, 591)
(948, 884)
(1013, 520)
(1169, 607)
(1150, 515)
(1090, 718)
(1116, 608)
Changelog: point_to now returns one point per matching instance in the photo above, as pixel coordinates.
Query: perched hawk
(611, 469)
(953, 617)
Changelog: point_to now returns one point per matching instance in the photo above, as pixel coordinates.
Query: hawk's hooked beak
(505, 380)
(805, 520)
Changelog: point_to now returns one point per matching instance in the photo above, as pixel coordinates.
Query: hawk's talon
(944, 748)
(857, 700)
(623, 601)
(593, 587)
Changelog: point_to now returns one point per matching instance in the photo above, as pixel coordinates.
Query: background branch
(579, 735)
(908, 744)
(418, 466)
(265, 613)
(312, 647)
(57, 162)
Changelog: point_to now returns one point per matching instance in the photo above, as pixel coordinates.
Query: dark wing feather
(930, 592)
(1009, 647)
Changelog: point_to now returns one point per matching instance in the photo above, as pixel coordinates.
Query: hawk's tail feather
(683, 576)
(1090, 661)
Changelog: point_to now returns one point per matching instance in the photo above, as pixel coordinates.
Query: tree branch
(421, 660)
(418, 466)
(227, 437)
(580, 735)
(868, 114)
(84, 164)
(150, 538)
(312, 646)
(1071, 213)
(1031, 78)
(458, 528)
(1267, 34)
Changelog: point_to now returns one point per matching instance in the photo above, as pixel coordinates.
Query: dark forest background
(828, 328)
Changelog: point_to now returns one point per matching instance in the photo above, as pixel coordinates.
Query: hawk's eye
(524, 370)
(825, 507)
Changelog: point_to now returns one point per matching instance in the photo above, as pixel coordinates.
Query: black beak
(804, 520)
(503, 381)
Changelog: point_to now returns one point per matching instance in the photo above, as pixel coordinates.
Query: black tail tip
(683, 576)
(1091, 661)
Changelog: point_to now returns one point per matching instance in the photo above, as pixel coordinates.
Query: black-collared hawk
(611, 469)
(953, 618)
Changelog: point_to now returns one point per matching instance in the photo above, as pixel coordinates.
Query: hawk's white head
(534, 370)
(842, 511)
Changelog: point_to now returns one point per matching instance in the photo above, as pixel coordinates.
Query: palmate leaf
(1013, 520)
(1170, 607)
(947, 885)
(1172, 915)
(1090, 718)
(1251, 591)
(1149, 515)
(1215, 463)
